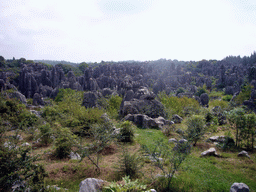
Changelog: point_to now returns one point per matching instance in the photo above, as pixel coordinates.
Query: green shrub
(126, 132)
(196, 128)
(244, 94)
(45, 134)
(18, 165)
(201, 90)
(128, 186)
(223, 104)
(227, 97)
(180, 90)
(179, 106)
(128, 164)
(215, 94)
(64, 142)
(113, 107)
(166, 159)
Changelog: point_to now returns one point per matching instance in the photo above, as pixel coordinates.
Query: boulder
(90, 99)
(74, 156)
(145, 121)
(38, 99)
(90, 185)
(209, 152)
(19, 96)
(151, 108)
(172, 140)
(204, 99)
(176, 118)
(239, 187)
(243, 154)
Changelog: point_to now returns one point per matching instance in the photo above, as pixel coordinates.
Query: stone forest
(163, 125)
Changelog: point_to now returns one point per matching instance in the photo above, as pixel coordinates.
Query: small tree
(250, 129)
(64, 142)
(126, 132)
(196, 128)
(166, 159)
(102, 135)
(129, 164)
(237, 121)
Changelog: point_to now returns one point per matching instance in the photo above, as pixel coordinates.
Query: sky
(118, 30)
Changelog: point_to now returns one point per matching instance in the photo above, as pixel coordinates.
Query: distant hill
(54, 62)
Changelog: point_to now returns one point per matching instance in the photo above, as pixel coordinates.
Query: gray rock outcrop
(239, 187)
(90, 185)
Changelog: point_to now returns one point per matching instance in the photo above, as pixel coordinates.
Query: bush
(129, 164)
(64, 142)
(201, 90)
(223, 104)
(128, 185)
(180, 90)
(166, 159)
(179, 106)
(126, 132)
(196, 128)
(45, 134)
(227, 97)
(113, 107)
(18, 166)
(244, 94)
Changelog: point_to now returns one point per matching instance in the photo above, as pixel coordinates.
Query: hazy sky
(95, 30)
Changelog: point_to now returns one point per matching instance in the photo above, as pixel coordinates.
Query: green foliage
(201, 90)
(223, 104)
(250, 131)
(17, 165)
(16, 113)
(244, 94)
(126, 132)
(166, 159)
(82, 66)
(237, 121)
(69, 112)
(196, 128)
(128, 186)
(113, 107)
(215, 94)
(45, 134)
(227, 97)
(128, 164)
(64, 142)
(180, 90)
(179, 106)
(102, 135)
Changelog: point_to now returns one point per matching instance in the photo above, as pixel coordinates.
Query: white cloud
(126, 29)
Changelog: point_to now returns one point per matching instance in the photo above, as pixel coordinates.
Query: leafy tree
(126, 132)
(64, 142)
(237, 120)
(196, 128)
(166, 159)
(17, 165)
(250, 130)
(102, 135)
(129, 164)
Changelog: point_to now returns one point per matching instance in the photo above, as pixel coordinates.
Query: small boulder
(243, 154)
(172, 140)
(239, 187)
(90, 185)
(74, 156)
(177, 119)
(209, 152)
